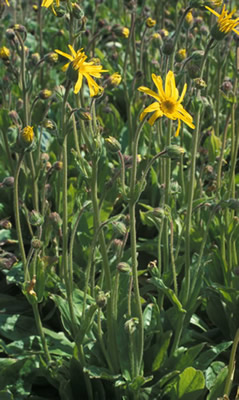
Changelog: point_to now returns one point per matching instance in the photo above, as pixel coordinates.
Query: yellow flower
(27, 134)
(7, 3)
(167, 103)
(225, 22)
(189, 18)
(4, 53)
(84, 69)
(181, 54)
(150, 22)
(48, 3)
(115, 79)
(125, 32)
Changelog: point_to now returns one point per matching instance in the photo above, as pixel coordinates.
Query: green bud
(112, 144)
(174, 152)
(77, 11)
(35, 218)
(7, 182)
(123, 267)
(200, 83)
(36, 243)
(119, 228)
(168, 47)
(101, 299)
(131, 325)
(5, 224)
(84, 114)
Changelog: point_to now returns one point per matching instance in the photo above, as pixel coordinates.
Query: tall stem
(133, 243)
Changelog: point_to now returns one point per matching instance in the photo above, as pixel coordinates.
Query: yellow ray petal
(150, 92)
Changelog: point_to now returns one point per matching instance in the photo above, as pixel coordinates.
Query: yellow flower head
(225, 22)
(189, 18)
(150, 23)
(7, 3)
(125, 32)
(4, 53)
(115, 79)
(167, 103)
(181, 54)
(27, 134)
(48, 3)
(84, 69)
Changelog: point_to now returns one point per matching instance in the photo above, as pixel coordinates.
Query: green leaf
(162, 352)
(206, 358)
(15, 327)
(100, 373)
(217, 390)
(190, 385)
(212, 373)
(168, 292)
(213, 145)
(58, 343)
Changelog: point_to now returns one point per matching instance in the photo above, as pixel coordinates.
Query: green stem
(65, 259)
(17, 218)
(189, 209)
(133, 244)
(40, 331)
(231, 366)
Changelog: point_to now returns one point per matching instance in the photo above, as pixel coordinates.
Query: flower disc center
(168, 107)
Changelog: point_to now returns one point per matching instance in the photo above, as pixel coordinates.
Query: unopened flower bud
(7, 182)
(5, 224)
(35, 57)
(36, 243)
(112, 144)
(19, 28)
(35, 218)
(77, 11)
(50, 125)
(227, 85)
(174, 152)
(35, 7)
(131, 325)
(119, 228)
(200, 83)
(101, 299)
(27, 135)
(45, 94)
(14, 117)
(123, 267)
(58, 165)
(51, 58)
(4, 53)
(152, 267)
(181, 55)
(163, 33)
(10, 34)
(30, 288)
(121, 31)
(168, 47)
(84, 114)
(55, 219)
(19, 105)
(48, 165)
